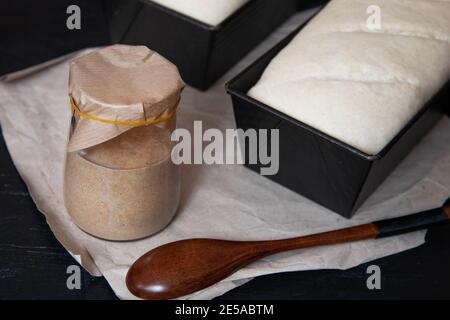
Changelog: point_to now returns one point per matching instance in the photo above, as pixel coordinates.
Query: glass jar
(120, 182)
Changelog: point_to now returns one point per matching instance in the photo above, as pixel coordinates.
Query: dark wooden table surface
(33, 264)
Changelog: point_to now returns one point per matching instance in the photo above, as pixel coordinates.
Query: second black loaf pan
(202, 53)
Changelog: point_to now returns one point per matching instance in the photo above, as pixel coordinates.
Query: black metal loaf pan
(202, 53)
(316, 165)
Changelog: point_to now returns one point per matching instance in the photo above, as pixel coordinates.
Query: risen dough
(211, 12)
(358, 85)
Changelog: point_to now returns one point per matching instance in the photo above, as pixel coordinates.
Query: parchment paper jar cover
(120, 182)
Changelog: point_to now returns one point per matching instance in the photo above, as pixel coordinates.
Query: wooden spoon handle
(379, 229)
(414, 222)
(362, 232)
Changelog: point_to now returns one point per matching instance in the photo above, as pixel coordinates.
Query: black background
(32, 32)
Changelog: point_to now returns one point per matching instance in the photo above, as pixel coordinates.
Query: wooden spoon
(183, 267)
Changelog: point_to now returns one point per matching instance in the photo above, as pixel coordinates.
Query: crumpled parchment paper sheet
(221, 201)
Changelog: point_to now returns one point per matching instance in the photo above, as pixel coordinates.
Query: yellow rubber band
(124, 123)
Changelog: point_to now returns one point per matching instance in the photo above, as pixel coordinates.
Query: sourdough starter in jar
(120, 182)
